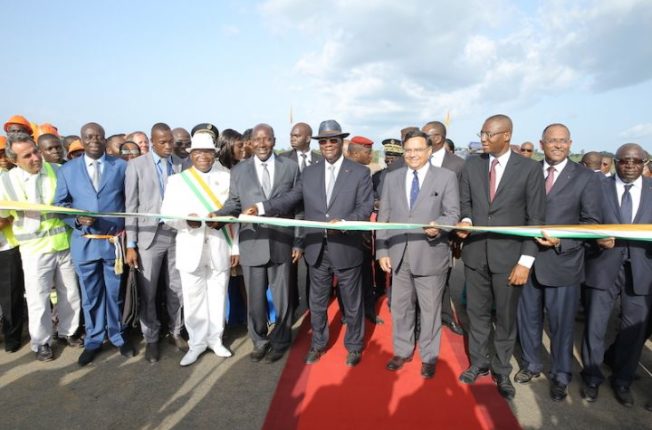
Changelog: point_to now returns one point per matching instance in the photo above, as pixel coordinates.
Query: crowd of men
(185, 260)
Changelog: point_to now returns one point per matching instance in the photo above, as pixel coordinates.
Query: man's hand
(518, 276)
(251, 210)
(385, 264)
(431, 231)
(235, 260)
(216, 225)
(607, 242)
(4, 222)
(463, 234)
(132, 258)
(296, 255)
(86, 220)
(193, 224)
(332, 232)
(548, 241)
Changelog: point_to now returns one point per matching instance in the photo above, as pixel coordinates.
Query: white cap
(201, 141)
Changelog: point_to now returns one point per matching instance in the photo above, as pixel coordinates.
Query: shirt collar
(502, 160)
(336, 164)
(156, 158)
(638, 183)
(269, 161)
(88, 160)
(558, 167)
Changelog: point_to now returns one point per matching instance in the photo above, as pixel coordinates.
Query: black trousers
(12, 292)
(321, 284)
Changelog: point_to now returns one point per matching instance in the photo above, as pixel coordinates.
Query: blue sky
(375, 66)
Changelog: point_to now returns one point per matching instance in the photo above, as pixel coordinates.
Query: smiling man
(267, 252)
(150, 242)
(498, 188)
(572, 197)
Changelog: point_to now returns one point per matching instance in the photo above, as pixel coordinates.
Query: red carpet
(329, 395)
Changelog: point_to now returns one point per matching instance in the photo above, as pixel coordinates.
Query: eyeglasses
(490, 134)
(630, 162)
(526, 150)
(180, 143)
(556, 141)
(333, 140)
(130, 152)
(414, 150)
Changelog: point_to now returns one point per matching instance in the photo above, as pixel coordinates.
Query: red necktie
(492, 179)
(550, 179)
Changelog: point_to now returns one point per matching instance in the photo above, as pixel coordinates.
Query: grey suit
(265, 251)
(419, 263)
(156, 245)
(489, 258)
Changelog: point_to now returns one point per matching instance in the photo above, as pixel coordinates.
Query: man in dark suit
(334, 190)
(95, 182)
(266, 252)
(440, 157)
(151, 244)
(498, 188)
(619, 268)
(419, 260)
(299, 280)
(572, 197)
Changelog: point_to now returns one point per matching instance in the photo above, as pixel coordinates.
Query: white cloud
(396, 63)
(639, 131)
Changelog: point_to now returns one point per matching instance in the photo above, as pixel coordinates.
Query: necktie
(626, 205)
(492, 180)
(550, 179)
(161, 180)
(331, 183)
(96, 174)
(302, 163)
(267, 182)
(414, 190)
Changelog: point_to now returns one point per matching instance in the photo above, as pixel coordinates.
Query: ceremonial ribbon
(642, 232)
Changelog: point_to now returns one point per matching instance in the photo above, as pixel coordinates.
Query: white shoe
(221, 351)
(191, 356)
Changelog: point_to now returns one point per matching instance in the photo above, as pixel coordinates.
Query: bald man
(141, 140)
(592, 160)
(181, 142)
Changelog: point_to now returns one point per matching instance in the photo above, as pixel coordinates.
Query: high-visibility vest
(52, 234)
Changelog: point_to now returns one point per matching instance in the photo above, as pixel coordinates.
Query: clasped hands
(210, 224)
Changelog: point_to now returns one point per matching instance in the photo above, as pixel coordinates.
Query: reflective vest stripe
(40, 234)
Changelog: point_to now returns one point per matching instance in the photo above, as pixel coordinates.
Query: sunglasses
(630, 162)
(526, 150)
(333, 140)
(130, 152)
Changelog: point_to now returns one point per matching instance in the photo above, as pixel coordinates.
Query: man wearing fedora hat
(205, 251)
(334, 190)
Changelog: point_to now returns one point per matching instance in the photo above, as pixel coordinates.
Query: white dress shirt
(635, 192)
(270, 168)
(437, 158)
(327, 173)
(409, 175)
(558, 169)
(89, 168)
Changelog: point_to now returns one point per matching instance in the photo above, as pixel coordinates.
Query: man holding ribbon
(205, 251)
(95, 182)
(150, 242)
(44, 246)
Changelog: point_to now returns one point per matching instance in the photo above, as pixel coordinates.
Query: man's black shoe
(623, 395)
(397, 362)
(558, 391)
(505, 387)
(12, 347)
(471, 374)
(259, 353)
(428, 370)
(313, 356)
(152, 353)
(87, 356)
(44, 353)
(126, 350)
(589, 392)
(375, 319)
(178, 341)
(353, 358)
(454, 327)
(273, 356)
(524, 376)
(73, 341)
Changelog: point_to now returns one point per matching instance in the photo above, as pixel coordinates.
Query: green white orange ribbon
(642, 232)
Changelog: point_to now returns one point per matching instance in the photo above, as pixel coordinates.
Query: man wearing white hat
(205, 251)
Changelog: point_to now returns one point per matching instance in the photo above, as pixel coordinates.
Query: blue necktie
(161, 182)
(626, 205)
(414, 191)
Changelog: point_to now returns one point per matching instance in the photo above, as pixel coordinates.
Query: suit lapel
(646, 195)
(612, 197)
(425, 189)
(254, 174)
(508, 172)
(345, 170)
(153, 173)
(108, 171)
(278, 171)
(564, 178)
(484, 176)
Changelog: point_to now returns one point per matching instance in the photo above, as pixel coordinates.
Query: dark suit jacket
(75, 189)
(454, 163)
(520, 200)
(603, 265)
(352, 200)
(574, 199)
(261, 243)
(292, 155)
